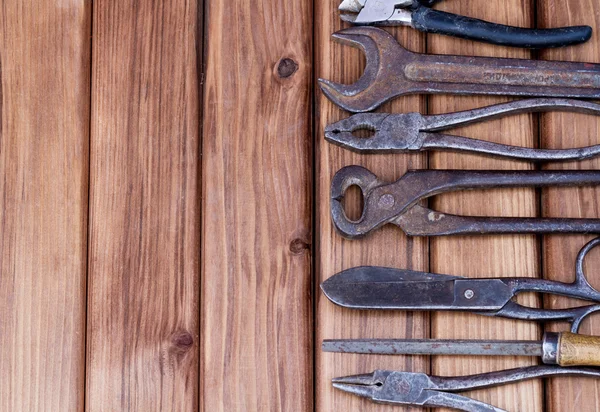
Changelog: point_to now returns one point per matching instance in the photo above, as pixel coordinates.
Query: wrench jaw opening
(343, 179)
(381, 52)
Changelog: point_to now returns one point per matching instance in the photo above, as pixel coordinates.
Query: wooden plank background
(44, 165)
(164, 208)
(559, 253)
(388, 247)
(496, 256)
(143, 294)
(256, 190)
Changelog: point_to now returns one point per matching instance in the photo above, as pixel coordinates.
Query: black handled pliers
(418, 14)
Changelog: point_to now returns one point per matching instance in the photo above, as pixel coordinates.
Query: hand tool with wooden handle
(564, 349)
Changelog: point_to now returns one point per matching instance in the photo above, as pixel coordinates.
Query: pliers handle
(406, 132)
(422, 390)
(419, 15)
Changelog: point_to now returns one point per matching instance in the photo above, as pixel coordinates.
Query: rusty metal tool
(422, 390)
(380, 288)
(391, 71)
(413, 132)
(563, 349)
(419, 15)
(398, 203)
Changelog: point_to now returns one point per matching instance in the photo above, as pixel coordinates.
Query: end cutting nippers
(420, 389)
(419, 15)
(398, 202)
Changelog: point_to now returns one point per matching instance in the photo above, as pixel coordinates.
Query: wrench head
(385, 61)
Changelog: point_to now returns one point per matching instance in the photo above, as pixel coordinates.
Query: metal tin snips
(381, 288)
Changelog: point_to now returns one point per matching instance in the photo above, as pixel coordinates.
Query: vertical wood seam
(89, 185)
(201, 39)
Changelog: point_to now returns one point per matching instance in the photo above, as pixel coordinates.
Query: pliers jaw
(352, 6)
(419, 15)
(388, 387)
(365, 385)
(407, 388)
(391, 133)
(376, 12)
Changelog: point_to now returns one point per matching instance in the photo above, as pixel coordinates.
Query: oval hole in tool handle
(353, 203)
(343, 179)
(364, 133)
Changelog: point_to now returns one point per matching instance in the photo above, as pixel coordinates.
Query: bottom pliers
(420, 389)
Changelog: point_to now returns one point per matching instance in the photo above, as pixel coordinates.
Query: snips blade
(372, 287)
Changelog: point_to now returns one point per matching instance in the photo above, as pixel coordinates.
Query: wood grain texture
(256, 188)
(386, 247)
(43, 203)
(143, 311)
(571, 130)
(486, 256)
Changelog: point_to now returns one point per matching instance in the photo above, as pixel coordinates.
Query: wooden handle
(578, 350)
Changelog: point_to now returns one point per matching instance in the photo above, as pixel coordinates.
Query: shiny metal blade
(383, 274)
(434, 347)
(371, 287)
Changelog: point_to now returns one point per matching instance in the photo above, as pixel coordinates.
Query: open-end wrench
(391, 71)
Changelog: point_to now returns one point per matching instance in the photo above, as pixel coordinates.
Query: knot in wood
(298, 246)
(286, 68)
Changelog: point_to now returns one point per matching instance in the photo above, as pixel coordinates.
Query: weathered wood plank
(43, 203)
(560, 130)
(387, 247)
(256, 231)
(486, 255)
(143, 314)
